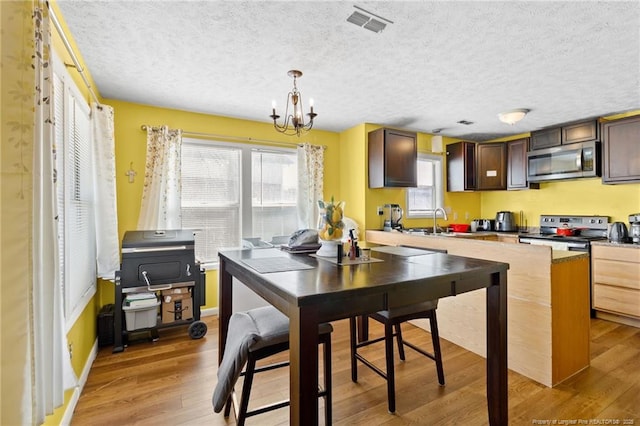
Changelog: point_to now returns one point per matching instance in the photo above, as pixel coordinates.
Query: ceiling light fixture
(296, 118)
(362, 19)
(513, 116)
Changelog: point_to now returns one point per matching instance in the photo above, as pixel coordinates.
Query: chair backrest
(248, 331)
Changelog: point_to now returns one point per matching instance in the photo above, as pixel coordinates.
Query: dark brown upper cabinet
(517, 165)
(393, 159)
(621, 151)
(582, 131)
(492, 166)
(461, 167)
(546, 138)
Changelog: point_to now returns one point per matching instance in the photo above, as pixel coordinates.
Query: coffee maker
(392, 217)
(634, 232)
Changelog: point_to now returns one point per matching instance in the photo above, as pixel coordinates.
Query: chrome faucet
(435, 215)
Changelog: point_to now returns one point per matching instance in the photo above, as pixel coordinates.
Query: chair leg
(328, 413)
(399, 340)
(354, 366)
(227, 407)
(435, 338)
(246, 390)
(391, 381)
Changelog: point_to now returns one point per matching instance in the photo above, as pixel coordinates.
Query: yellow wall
(457, 205)
(573, 197)
(131, 151)
(345, 179)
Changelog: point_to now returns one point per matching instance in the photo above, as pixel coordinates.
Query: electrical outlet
(466, 215)
(455, 215)
(380, 212)
(70, 350)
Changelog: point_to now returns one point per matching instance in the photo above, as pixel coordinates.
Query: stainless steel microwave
(578, 160)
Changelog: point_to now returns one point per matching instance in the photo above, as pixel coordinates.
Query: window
(428, 195)
(237, 195)
(76, 236)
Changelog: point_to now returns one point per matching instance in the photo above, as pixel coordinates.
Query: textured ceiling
(438, 63)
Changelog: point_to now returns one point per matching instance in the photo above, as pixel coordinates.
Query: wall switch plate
(380, 212)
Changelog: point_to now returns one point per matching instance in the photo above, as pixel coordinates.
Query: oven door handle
(570, 245)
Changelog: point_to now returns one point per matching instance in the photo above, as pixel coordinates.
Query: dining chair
(254, 335)
(392, 319)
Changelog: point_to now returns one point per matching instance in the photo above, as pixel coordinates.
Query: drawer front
(616, 299)
(616, 273)
(625, 254)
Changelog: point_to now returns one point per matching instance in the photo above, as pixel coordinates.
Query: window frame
(246, 151)
(438, 161)
(75, 298)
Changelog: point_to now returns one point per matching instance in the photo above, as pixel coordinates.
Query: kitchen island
(547, 302)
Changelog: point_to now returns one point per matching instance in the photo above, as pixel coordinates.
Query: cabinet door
(621, 151)
(492, 166)
(517, 165)
(546, 138)
(461, 167)
(401, 159)
(584, 131)
(393, 157)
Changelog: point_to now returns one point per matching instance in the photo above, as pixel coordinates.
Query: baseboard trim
(77, 391)
(209, 312)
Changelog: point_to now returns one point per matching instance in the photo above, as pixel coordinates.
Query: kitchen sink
(423, 231)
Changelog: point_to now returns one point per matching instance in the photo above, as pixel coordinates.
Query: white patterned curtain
(310, 184)
(104, 189)
(160, 208)
(51, 371)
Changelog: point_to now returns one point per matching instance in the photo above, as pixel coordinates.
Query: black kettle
(618, 232)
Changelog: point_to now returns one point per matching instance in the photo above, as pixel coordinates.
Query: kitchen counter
(621, 245)
(557, 256)
(547, 300)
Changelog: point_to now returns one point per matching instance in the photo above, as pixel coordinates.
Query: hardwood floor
(171, 381)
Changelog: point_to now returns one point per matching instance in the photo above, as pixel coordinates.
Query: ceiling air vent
(365, 19)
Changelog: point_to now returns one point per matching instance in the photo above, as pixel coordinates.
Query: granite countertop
(621, 245)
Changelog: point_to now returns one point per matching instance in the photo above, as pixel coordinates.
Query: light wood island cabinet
(615, 270)
(548, 309)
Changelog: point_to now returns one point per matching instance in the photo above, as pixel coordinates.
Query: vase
(330, 227)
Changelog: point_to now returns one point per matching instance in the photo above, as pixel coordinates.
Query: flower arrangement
(330, 223)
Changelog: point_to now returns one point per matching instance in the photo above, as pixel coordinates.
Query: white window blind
(236, 195)
(428, 195)
(74, 195)
(211, 197)
(274, 190)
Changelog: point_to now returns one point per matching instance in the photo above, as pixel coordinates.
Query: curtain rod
(234, 138)
(74, 58)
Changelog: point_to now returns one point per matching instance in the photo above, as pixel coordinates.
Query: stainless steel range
(573, 233)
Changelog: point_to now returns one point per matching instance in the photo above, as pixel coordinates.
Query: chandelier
(294, 123)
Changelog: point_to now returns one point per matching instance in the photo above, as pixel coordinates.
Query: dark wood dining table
(311, 290)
